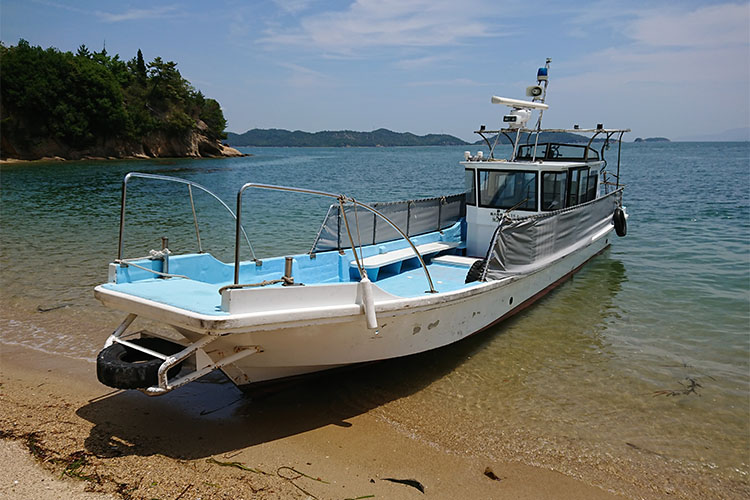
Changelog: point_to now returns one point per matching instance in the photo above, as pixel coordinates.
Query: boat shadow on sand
(211, 416)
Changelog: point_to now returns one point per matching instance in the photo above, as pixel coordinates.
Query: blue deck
(445, 278)
(200, 293)
(191, 295)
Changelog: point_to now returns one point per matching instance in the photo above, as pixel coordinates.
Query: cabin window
(572, 152)
(591, 191)
(583, 185)
(577, 186)
(507, 189)
(470, 183)
(553, 190)
(557, 152)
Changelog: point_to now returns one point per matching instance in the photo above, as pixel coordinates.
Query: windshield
(508, 188)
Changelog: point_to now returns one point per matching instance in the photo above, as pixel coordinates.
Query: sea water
(635, 372)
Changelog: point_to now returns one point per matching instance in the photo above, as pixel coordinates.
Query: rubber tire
(475, 271)
(121, 367)
(621, 223)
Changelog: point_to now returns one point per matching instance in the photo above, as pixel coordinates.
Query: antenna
(521, 112)
(542, 75)
(518, 103)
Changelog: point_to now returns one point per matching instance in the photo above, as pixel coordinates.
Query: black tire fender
(122, 367)
(475, 271)
(621, 223)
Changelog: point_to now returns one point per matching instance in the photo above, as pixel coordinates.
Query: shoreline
(204, 437)
(60, 159)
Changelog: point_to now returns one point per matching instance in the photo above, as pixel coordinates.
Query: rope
(284, 279)
(164, 275)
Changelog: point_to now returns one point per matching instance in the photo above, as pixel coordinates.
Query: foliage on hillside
(381, 137)
(652, 139)
(89, 97)
(342, 138)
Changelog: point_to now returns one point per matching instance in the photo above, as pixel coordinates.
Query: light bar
(518, 103)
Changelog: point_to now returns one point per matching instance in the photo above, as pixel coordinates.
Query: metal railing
(341, 199)
(444, 210)
(190, 185)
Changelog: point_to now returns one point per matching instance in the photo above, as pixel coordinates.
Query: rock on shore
(194, 144)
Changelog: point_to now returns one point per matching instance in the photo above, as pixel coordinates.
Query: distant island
(62, 105)
(377, 138)
(341, 138)
(652, 139)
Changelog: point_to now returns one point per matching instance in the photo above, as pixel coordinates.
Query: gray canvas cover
(523, 245)
(413, 217)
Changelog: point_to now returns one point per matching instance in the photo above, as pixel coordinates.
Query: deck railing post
(408, 215)
(195, 219)
(238, 226)
(121, 243)
(190, 184)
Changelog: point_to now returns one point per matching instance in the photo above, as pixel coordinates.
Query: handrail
(190, 184)
(195, 219)
(342, 199)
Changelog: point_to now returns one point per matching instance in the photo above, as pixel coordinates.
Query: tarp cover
(413, 217)
(523, 245)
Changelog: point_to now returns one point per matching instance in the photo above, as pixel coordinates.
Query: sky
(678, 69)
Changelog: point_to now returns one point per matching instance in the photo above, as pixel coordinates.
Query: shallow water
(572, 384)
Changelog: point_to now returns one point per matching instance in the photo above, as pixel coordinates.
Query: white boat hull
(332, 337)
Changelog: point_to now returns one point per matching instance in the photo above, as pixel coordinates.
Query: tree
(83, 51)
(212, 116)
(83, 98)
(140, 67)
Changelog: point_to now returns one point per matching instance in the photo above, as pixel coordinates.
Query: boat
(381, 280)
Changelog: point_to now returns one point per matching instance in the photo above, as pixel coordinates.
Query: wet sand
(209, 440)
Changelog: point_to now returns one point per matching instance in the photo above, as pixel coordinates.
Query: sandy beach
(66, 436)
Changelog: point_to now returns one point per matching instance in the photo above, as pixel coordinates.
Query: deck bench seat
(395, 258)
(455, 260)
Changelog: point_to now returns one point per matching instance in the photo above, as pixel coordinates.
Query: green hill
(55, 103)
(380, 137)
(341, 138)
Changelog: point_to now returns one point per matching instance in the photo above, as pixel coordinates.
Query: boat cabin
(541, 177)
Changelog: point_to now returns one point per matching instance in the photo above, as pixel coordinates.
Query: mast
(541, 76)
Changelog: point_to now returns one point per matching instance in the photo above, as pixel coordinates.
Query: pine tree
(83, 51)
(140, 66)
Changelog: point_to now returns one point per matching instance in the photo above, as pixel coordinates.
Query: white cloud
(137, 14)
(706, 48)
(711, 26)
(293, 6)
(238, 26)
(61, 6)
(369, 24)
(455, 82)
(304, 77)
(420, 62)
(111, 17)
